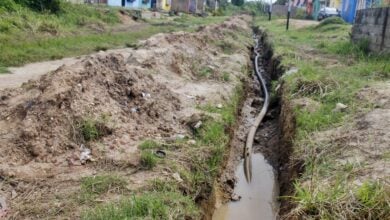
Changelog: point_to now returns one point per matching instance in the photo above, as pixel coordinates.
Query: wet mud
(236, 198)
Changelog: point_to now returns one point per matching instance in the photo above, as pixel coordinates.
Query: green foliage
(330, 21)
(53, 6)
(226, 76)
(148, 159)
(102, 184)
(7, 5)
(3, 70)
(148, 144)
(30, 36)
(336, 201)
(281, 2)
(238, 2)
(150, 205)
(92, 129)
(331, 69)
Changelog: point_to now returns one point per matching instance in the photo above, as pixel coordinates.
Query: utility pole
(288, 14)
(270, 10)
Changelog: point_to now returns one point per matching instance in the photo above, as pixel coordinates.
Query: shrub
(331, 20)
(148, 160)
(92, 129)
(8, 5)
(102, 184)
(53, 6)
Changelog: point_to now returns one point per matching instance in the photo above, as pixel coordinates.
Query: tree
(238, 2)
(281, 2)
(53, 6)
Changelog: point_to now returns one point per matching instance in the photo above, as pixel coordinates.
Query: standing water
(258, 198)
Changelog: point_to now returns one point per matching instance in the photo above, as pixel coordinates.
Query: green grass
(92, 129)
(148, 144)
(3, 70)
(95, 186)
(102, 184)
(28, 36)
(148, 159)
(149, 205)
(331, 70)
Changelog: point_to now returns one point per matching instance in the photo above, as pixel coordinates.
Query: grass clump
(148, 160)
(102, 184)
(331, 21)
(95, 186)
(148, 144)
(227, 46)
(92, 129)
(369, 201)
(151, 205)
(3, 70)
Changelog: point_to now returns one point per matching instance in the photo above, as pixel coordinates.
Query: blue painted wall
(131, 3)
(348, 10)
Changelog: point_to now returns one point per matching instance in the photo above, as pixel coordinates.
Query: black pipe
(288, 20)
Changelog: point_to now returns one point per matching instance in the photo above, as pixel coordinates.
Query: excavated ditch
(234, 197)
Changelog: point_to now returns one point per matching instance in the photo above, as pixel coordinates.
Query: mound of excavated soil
(41, 121)
(131, 95)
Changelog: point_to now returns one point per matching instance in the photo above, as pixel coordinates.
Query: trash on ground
(160, 153)
(177, 177)
(198, 124)
(340, 107)
(85, 154)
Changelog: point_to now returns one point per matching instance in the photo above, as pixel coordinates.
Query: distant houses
(347, 8)
(131, 3)
(186, 6)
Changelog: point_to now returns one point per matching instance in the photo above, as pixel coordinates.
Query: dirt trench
(88, 119)
(273, 141)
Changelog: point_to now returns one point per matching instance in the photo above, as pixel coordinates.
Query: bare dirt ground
(297, 23)
(19, 75)
(133, 95)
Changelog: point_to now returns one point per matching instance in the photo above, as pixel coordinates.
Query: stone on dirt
(340, 107)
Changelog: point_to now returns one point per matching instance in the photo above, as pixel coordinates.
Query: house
(188, 6)
(136, 4)
(349, 7)
(212, 4)
(164, 5)
(335, 4)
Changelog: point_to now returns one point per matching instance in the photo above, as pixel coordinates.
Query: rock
(290, 72)
(146, 95)
(235, 197)
(219, 106)
(340, 107)
(13, 194)
(3, 208)
(192, 142)
(198, 124)
(134, 109)
(180, 136)
(177, 177)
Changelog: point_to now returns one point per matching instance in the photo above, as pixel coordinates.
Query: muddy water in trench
(258, 198)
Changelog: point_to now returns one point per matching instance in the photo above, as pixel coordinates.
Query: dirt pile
(43, 118)
(109, 103)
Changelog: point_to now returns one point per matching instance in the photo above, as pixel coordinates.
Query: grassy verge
(331, 70)
(29, 36)
(195, 163)
(3, 70)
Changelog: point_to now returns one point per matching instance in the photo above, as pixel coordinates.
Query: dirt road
(32, 71)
